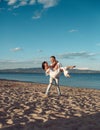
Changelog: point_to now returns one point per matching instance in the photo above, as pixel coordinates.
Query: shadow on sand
(87, 122)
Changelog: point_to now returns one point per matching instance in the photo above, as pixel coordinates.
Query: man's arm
(54, 64)
(57, 66)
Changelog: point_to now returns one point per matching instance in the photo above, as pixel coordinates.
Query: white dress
(56, 73)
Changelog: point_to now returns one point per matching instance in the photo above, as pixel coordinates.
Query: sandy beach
(23, 106)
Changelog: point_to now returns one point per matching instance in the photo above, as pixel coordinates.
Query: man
(54, 70)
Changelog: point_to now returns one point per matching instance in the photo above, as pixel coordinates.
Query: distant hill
(83, 71)
(39, 70)
(22, 70)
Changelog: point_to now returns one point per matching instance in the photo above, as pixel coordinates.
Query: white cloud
(22, 3)
(16, 49)
(73, 55)
(37, 14)
(36, 17)
(98, 44)
(48, 3)
(73, 30)
(16, 6)
(11, 2)
(32, 2)
(45, 4)
(15, 14)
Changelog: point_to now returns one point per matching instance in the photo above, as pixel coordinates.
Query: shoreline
(46, 84)
(23, 106)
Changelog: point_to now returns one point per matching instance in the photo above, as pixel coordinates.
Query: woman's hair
(43, 67)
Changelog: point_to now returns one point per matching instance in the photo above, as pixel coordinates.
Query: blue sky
(33, 30)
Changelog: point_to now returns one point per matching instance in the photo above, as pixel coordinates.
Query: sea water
(83, 80)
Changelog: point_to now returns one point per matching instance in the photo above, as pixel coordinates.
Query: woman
(55, 74)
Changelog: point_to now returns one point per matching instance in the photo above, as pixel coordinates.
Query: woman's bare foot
(68, 76)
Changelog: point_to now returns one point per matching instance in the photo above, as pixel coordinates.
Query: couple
(54, 70)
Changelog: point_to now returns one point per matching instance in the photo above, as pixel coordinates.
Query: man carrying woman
(54, 71)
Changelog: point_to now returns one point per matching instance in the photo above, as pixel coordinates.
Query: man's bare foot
(70, 67)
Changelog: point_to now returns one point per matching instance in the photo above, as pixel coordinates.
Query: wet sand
(23, 106)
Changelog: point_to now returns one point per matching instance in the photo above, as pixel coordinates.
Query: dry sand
(23, 106)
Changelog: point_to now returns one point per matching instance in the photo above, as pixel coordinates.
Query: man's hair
(43, 64)
(53, 57)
